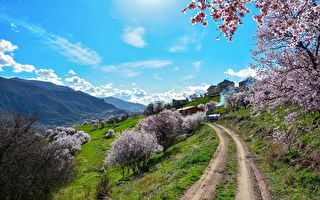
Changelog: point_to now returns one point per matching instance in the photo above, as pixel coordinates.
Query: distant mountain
(124, 105)
(52, 103)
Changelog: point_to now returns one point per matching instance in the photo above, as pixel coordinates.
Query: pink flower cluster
(132, 149)
(283, 17)
(166, 126)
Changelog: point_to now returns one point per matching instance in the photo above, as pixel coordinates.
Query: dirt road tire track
(251, 182)
(205, 187)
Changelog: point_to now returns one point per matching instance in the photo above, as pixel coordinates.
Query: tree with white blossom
(166, 126)
(132, 150)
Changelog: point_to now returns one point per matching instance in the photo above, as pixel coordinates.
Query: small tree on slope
(132, 150)
(166, 126)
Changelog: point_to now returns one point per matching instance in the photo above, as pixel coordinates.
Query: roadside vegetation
(171, 174)
(291, 166)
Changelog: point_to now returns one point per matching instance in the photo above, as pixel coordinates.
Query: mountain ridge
(53, 104)
(121, 104)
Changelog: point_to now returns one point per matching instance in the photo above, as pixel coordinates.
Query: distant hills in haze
(121, 104)
(54, 104)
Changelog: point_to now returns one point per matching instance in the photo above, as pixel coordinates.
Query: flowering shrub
(208, 107)
(166, 126)
(132, 150)
(237, 100)
(109, 134)
(68, 138)
(192, 123)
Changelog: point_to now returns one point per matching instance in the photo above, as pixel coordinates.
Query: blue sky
(138, 50)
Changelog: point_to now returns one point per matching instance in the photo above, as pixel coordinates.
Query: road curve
(251, 183)
(205, 187)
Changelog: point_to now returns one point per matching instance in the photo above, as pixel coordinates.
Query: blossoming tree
(288, 43)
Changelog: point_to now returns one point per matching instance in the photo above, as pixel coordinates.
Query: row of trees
(107, 120)
(133, 148)
(156, 107)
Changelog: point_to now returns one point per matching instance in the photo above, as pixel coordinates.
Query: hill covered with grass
(90, 160)
(167, 177)
(203, 100)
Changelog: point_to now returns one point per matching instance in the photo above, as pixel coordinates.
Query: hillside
(52, 103)
(167, 178)
(124, 105)
(203, 100)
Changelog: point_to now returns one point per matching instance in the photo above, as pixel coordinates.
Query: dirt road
(205, 187)
(251, 182)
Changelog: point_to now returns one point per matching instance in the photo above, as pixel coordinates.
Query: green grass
(90, 160)
(287, 176)
(168, 177)
(227, 190)
(203, 100)
(219, 109)
(172, 174)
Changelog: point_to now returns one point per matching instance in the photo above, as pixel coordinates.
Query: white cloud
(197, 65)
(135, 36)
(147, 64)
(169, 95)
(75, 52)
(7, 46)
(157, 77)
(135, 95)
(187, 78)
(244, 73)
(14, 27)
(71, 72)
(48, 75)
(186, 43)
(132, 69)
(7, 60)
(17, 68)
(78, 83)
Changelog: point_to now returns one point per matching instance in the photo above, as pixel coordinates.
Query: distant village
(223, 88)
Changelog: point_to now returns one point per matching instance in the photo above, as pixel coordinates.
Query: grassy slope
(170, 175)
(90, 159)
(203, 100)
(286, 179)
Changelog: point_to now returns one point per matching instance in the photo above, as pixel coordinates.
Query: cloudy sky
(138, 50)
